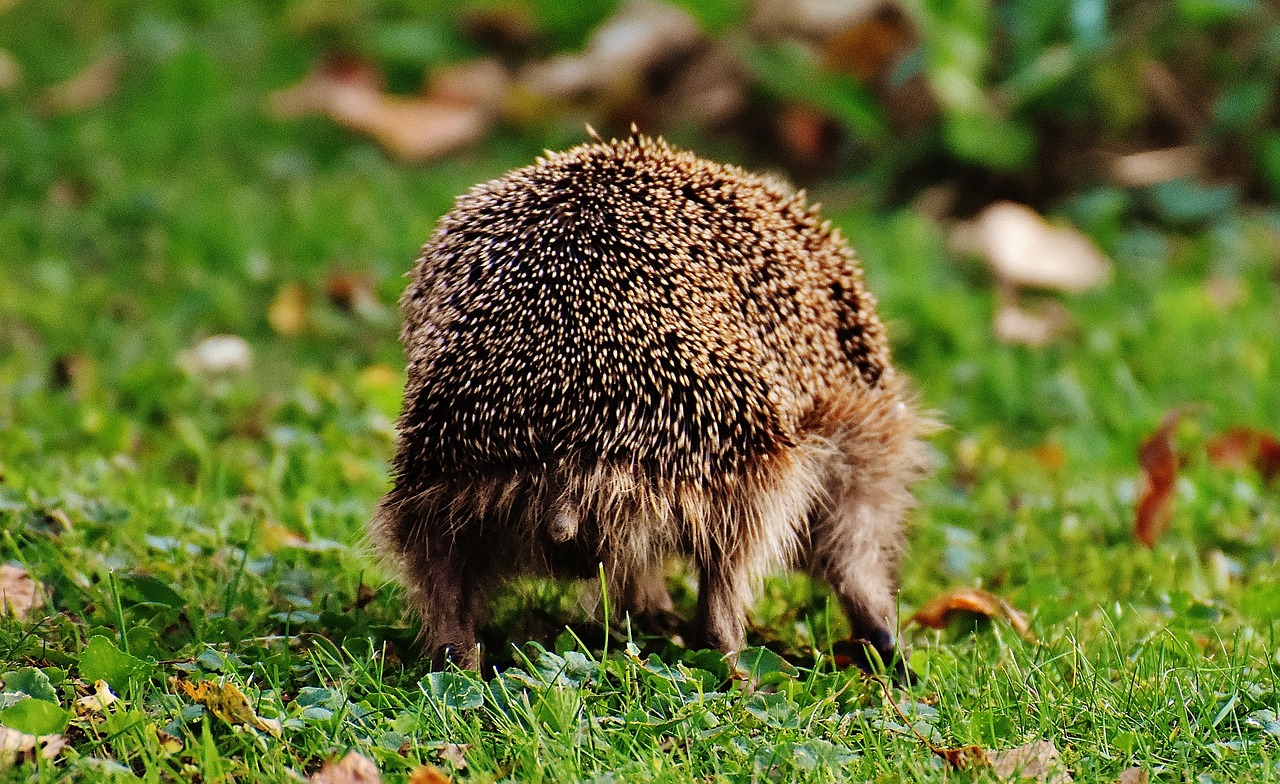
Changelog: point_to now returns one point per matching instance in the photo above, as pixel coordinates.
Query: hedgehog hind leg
(722, 595)
(856, 542)
(440, 576)
(646, 599)
(854, 550)
(445, 592)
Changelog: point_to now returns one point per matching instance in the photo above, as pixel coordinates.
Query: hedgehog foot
(721, 598)
(444, 593)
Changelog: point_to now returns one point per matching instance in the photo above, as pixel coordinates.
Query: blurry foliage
(1026, 98)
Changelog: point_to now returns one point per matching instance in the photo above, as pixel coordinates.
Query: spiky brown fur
(623, 353)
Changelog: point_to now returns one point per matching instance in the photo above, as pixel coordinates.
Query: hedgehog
(625, 353)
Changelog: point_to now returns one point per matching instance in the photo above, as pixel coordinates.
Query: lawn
(194, 520)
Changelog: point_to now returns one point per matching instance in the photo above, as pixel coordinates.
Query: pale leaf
(98, 701)
(94, 84)
(18, 592)
(621, 50)
(218, 354)
(1037, 761)
(1019, 325)
(1025, 250)
(351, 769)
(14, 744)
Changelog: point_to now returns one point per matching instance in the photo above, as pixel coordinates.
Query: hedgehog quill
(624, 353)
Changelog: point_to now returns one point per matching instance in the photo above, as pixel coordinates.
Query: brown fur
(602, 374)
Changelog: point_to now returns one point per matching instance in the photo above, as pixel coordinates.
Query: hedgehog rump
(624, 353)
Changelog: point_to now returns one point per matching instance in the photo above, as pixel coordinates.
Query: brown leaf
(456, 112)
(288, 312)
(1038, 761)
(94, 84)
(429, 774)
(963, 757)
(352, 292)
(867, 48)
(936, 613)
(351, 769)
(1024, 250)
(14, 744)
(1242, 447)
(1133, 776)
(805, 133)
(1050, 455)
(18, 593)
(1160, 466)
(228, 703)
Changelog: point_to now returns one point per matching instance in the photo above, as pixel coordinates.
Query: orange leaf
(1160, 464)
(429, 774)
(936, 613)
(1241, 447)
(868, 48)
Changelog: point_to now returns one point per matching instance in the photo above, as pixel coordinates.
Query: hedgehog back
(631, 304)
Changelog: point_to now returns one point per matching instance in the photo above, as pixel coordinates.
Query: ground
(193, 526)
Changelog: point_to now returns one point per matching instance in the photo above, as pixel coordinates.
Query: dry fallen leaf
(874, 43)
(10, 72)
(429, 774)
(18, 593)
(98, 701)
(14, 744)
(455, 754)
(1019, 325)
(1133, 776)
(218, 354)
(456, 112)
(288, 312)
(1024, 250)
(1160, 473)
(228, 703)
(639, 35)
(1150, 167)
(351, 769)
(1037, 761)
(94, 84)
(806, 134)
(937, 611)
(1241, 447)
(275, 536)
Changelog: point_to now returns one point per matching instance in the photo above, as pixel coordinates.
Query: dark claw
(445, 654)
(886, 659)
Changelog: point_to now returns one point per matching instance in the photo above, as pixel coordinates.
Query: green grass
(209, 527)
